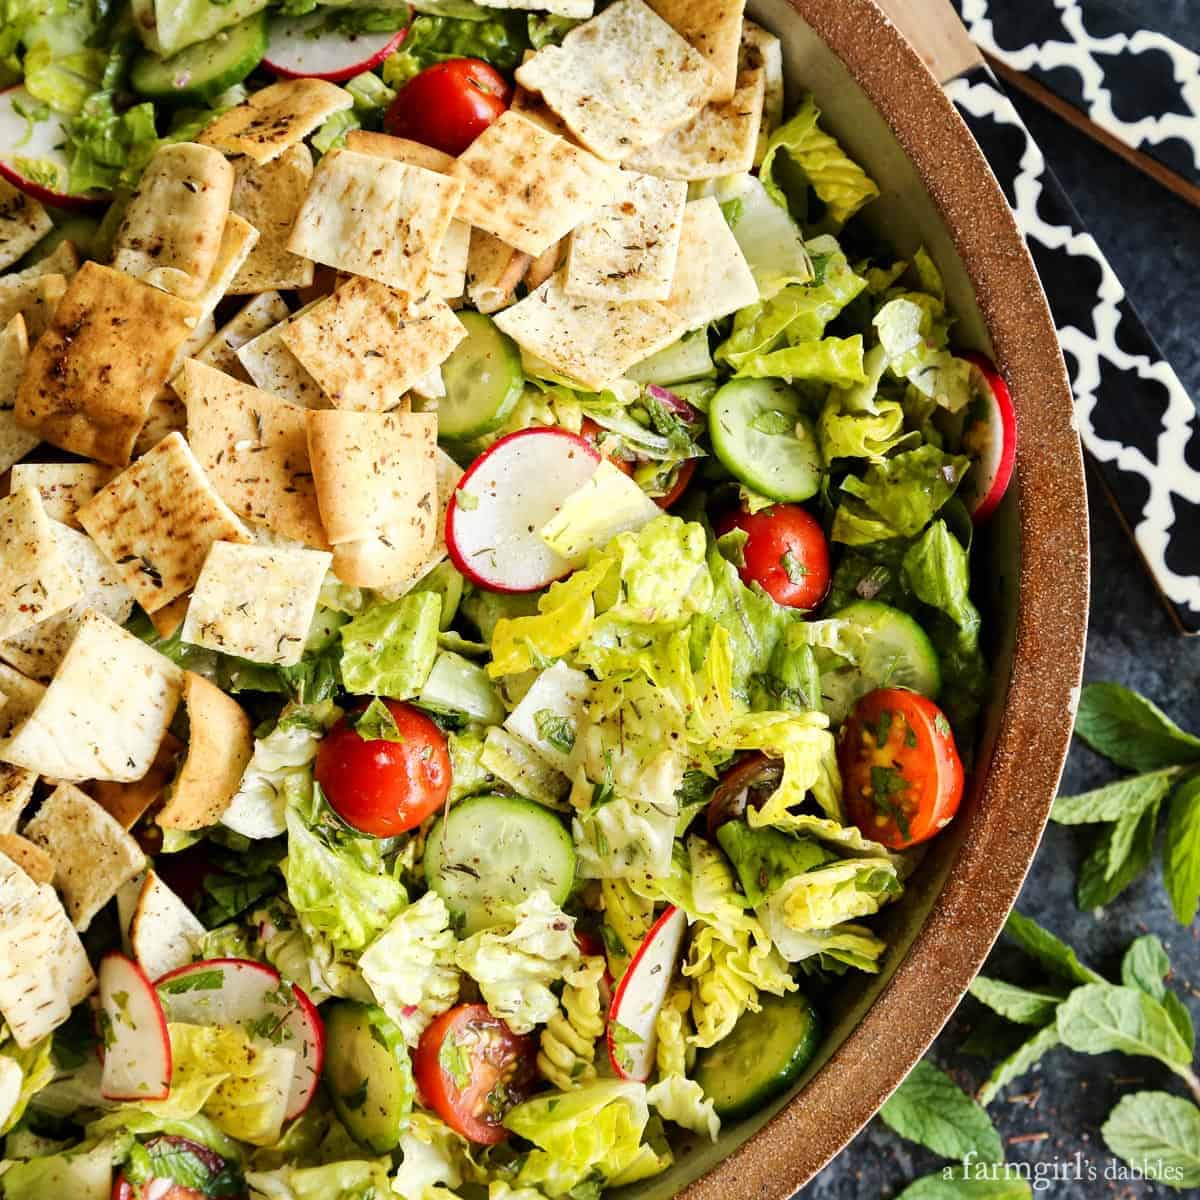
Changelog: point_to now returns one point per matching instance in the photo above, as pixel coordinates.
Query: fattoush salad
(485, 592)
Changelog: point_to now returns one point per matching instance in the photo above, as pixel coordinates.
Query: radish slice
(990, 438)
(33, 153)
(137, 1047)
(631, 1034)
(239, 991)
(297, 48)
(507, 494)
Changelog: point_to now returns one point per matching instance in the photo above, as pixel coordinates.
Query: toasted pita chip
(721, 139)
(157, 520)
(163, 932)
(448, 277)
(105, 712)
(38, 651)
(623, 80)
(238, 240)
(92, 854)
(15, 440)
(167, 415)
(379, 559)
(255, 317)
(591, 342)
(23, 223)
(16, 889)
(546, 264)
(269, 196)
(35, 298)
(255, 602)
(269, 362)
(398, 149)
(90, 379)
(627, 250)
(254, 449)
(375, 472)
(714, 27)
(172, 227)
(169, 618)
(367, 344)
(29, 856)
(533, 108)
(276, 118)
(16, 791)
(221, 740)
(76, 980)
(63, 487)
(763, 51)
(21, 696)
(31, 1001)
(127, 802)
(62, 260)
(528, 187)
(430, 386)
(36, 580)
(712, 278)
(494, 268)
(374, 217)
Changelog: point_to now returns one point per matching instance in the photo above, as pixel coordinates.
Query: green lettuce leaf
(515, 966)
(500, 40)
(914, 341)
(840, 183)
(682, 1100)
(351, 1180)
(836, 361)
(897, 497)
(84, 1172)
(766, 858)
(845, 945)
(435, 1157)
(339, 889)
(389, 648)
(25, 1073)
(829, 895)
(591, 1133)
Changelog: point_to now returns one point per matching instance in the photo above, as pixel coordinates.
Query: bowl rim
(1004, 824)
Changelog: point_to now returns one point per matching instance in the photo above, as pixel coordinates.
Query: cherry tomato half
(786, 553)
(596, 434)
(683, 476)
(471, 1069)
(449, 105)
(157, 1188)
(901, 775)
(382, 786)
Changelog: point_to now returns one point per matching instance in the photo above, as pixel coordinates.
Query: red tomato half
(449, 105)
(901, 774)
(471, 1069)
(595, 434)
(381, 786)
(786, 553)
(679, 484)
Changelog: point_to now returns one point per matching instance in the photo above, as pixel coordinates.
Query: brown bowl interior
(891, 115)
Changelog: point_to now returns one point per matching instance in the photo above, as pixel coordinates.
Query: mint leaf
(556, 729)
(1056, 956)
(1181, 855)
(376, 724)
(1024, 1058)
(1159, 1134)
(1023, 1005)
(1115, 801)
(931, 1109)
(1100, 1017)
(1128, 729)
(1104, 875)
(970, 1183)
(1145, 966)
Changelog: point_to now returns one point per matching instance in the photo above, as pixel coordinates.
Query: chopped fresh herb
(793, 568)
(555, 729)
(376, 724)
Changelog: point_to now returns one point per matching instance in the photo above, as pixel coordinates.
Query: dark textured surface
(1152, 240)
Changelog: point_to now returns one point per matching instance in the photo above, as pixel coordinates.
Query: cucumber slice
(205, 70)
(368, 1072)
(763, 1056)
(457, 685)
(491, 852)
(898, 653)
(682, 362)
(483, 379)
(764, 440)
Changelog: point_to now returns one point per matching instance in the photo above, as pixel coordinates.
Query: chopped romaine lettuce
(388, 649)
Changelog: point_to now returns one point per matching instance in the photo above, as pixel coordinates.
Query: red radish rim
(162, 1024)
(79, 202)
(1006, 411)
(668, 914)
(336, 76)
(206, 963)
(456, 557)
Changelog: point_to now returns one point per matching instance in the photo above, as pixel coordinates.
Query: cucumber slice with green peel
(896, 652)
(206, 69)
(491, 852)
(368, 1072)
(483, 378)
(764, 440)
(764, 1055)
